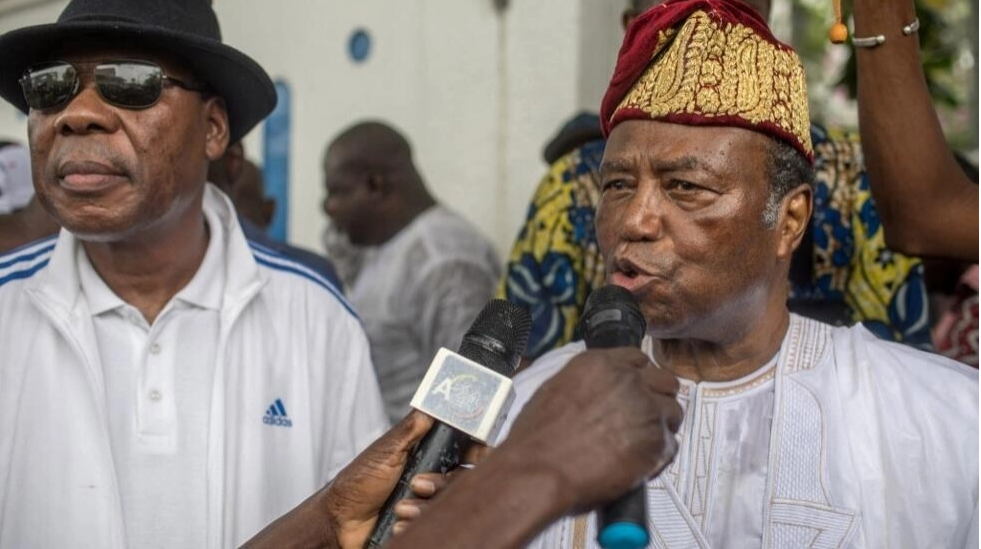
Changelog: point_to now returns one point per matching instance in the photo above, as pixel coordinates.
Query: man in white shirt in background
(425, 271)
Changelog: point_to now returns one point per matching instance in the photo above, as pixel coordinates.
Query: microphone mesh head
(607, 295)
(612, 317)
(498, 336)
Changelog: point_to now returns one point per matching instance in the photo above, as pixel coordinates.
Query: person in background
(554, 263)
(426, 272)
(346, 257)
(16, 188)
(953, 287)
(22, 219)
(242, 181)
(795, 433)
(842, 273)
(163, 383)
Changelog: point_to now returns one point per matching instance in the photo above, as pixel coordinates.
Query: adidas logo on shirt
(276, 415)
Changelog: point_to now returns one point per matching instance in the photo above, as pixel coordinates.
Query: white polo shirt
(293, 398)
(158, 382)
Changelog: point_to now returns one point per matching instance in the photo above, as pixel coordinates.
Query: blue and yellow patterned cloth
(555, 262)
(882, 289)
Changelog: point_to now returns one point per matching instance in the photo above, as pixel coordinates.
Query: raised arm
(926, 203)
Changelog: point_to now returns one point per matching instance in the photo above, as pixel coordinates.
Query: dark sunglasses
(129, 84)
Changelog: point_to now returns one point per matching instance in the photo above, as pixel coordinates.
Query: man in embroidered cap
(164, 383)
(842, 273)
(796, 434)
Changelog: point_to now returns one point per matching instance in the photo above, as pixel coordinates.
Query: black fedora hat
(185, 28)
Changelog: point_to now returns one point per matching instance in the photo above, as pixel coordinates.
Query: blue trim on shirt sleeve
(26, 273)
(22, 253)
(295, 262)
(290, 266)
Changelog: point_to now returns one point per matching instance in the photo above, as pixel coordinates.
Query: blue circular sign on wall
(359, 45)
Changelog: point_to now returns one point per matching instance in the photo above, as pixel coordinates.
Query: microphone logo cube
(465, 395)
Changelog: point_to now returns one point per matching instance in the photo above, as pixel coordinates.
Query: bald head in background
(424, 271)
(373, 187)
(375, 143)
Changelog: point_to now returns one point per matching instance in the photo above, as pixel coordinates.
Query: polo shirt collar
(204, 290)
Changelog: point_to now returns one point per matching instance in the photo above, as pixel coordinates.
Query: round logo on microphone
(464, 398)
(461, 393)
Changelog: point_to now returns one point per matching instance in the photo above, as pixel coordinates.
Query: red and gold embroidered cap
(709, 62)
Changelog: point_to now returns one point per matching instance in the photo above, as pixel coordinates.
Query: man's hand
(355, 497)
(343, 513)
(607, 419)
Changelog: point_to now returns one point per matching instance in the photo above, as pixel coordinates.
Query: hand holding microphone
(612, 319)
(469, 394)
(598, 428)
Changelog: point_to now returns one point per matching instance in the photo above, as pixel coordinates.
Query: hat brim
(247, 90)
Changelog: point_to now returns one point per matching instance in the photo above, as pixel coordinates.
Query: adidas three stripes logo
(276, 415)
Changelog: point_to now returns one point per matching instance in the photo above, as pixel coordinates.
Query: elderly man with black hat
(162, 381)
(796, 434)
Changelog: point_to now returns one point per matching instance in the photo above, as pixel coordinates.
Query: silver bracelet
(868, 42)
(912, 27)
(879, 39)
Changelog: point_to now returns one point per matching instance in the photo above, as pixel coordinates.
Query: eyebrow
(618, 165)
(614, 165)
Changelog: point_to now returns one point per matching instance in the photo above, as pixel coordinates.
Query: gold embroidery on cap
(715, 69)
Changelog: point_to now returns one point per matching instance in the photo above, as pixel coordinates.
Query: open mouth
(627, 268)
(628, 271)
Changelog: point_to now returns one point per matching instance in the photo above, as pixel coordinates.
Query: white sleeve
(354, 415)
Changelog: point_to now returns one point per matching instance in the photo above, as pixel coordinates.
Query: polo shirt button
(154, 348)
(156, 395)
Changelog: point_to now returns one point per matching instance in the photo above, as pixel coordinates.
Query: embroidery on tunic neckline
(807, 341)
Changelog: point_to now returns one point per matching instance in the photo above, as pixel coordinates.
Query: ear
(216, 118)
(378, 185)
(795, 217)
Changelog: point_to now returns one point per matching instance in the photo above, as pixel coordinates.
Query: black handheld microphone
(465, 389)
(612, 318)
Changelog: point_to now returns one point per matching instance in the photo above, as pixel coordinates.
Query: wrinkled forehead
(669, 146)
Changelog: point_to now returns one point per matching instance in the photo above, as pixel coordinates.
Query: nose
(640, 218)
(86, 113)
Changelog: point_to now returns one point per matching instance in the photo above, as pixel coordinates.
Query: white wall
(477, 90)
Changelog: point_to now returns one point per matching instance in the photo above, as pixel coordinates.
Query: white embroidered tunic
(842, 440)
